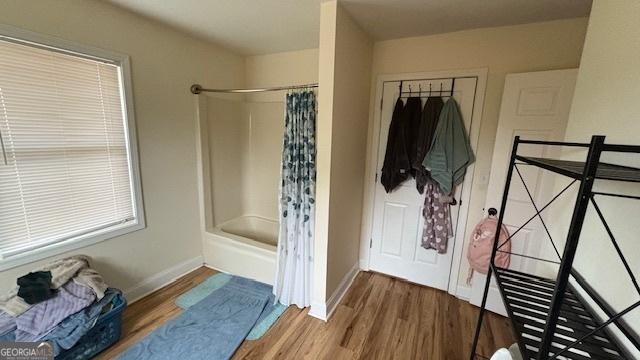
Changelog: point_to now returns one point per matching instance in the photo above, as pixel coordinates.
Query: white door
(397, 216)
(535, 106)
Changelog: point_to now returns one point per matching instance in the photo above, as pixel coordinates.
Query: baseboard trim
(324, 311)
(342, 289)
(163, 278)
(463, 292)
(318, 310)
(364, 264)
(215, 268)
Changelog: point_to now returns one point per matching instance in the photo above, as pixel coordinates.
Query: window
(68, 171)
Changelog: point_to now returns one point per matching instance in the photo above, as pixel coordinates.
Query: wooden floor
(379, 318)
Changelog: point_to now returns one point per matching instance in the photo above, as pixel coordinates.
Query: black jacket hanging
(396, 166)
(411, 119)
(427, 128)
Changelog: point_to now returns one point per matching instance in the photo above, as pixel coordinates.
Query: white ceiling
(253, 27)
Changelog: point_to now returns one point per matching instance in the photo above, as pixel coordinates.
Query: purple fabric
(41, 318)
(437, 219)
(7, 323)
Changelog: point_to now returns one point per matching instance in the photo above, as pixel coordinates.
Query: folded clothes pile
(35, 287)
(59, 302)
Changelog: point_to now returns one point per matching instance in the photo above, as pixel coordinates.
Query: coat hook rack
(423, 93)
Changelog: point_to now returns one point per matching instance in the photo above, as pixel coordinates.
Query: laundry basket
(104, 333)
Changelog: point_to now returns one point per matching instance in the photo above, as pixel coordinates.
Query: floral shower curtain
(297, 201)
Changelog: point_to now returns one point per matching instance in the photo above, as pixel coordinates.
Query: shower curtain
(297, 201)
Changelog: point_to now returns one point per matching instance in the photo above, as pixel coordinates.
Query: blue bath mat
(202, 290)
(270, 314)
(213, 328)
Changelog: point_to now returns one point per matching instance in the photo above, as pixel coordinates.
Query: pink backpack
(481, 245)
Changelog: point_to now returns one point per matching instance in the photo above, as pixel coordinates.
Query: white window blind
(65, 164)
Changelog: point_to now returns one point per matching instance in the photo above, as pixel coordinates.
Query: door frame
(373, 138)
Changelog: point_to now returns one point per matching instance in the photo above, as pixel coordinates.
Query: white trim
(364, 264)
(62, 45)
(203, 165)
(318, 310)
(324, 311)
(463, 216)
(463, 292)
(372, 161)
(161, 279)
(215, 268)
(69, 245)
(342, 289)
(123, 63)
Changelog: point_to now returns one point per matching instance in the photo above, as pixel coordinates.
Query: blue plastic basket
(104, 333)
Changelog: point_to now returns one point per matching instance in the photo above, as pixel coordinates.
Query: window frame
(13, 34)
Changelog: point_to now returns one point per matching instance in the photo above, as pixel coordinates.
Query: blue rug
(202, 290)
(269, 315)
(213, 328)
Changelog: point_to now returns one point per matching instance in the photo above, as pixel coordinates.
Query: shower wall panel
(228, 134)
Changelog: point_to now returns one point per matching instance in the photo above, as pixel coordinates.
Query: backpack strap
(469, 275)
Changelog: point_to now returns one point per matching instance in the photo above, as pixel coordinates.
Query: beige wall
(611, 60)
(326, 71)
(164, 64)
(287, 68)
(348, 76)
(503, 50)
(606, 103)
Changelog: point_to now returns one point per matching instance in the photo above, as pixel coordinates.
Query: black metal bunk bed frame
(550, 319)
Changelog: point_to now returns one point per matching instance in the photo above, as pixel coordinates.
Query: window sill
(70, 245)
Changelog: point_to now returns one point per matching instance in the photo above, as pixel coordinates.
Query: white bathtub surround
(243, 246)
(297, 201)
(234, 239)
(253, 227)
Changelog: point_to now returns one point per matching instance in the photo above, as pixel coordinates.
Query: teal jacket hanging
(450, 153)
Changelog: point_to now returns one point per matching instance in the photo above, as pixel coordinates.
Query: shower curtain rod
(197, 89)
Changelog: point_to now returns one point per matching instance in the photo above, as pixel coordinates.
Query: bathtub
(253, 227)
(244, 246)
